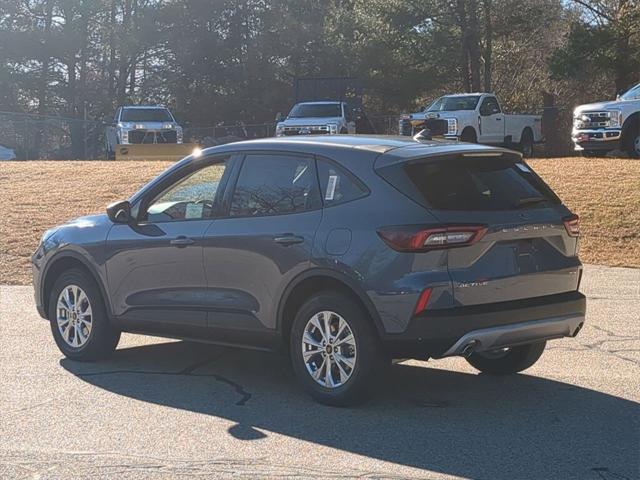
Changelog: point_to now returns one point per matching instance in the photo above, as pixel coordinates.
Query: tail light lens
(572, 225)
(423, 300)
(415, 238)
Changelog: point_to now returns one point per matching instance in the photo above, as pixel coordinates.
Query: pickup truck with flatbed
(475, 118)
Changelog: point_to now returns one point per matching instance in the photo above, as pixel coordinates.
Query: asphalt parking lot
(166, 409)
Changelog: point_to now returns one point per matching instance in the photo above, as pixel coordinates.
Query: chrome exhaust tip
(469, 348)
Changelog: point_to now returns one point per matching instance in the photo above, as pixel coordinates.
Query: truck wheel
(469, 135)
(632, 140)
(526, 144)
(334, 349)
(507, 360)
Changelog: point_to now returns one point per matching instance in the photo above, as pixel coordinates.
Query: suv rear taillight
(416, 238)
(572, 225)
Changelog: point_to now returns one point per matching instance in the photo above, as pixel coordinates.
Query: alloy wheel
(329, 349)
(74, 316)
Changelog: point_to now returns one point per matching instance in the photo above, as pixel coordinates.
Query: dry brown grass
(37, 195)
(605, 192)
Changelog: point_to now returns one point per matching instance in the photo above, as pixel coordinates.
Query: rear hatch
(526, 240)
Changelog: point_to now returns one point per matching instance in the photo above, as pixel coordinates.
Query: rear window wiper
(525, 202)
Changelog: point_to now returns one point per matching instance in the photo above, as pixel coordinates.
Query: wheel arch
(307, 283)
(524, 131)
(65, 261)
(469, 128)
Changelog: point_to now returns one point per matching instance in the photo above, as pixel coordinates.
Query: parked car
(476, 118)
(318, 118)
(346, 251)
(142, 124)
(605, 126)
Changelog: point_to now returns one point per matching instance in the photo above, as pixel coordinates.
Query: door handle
(498, 119)
(288, 239)
(182, 241)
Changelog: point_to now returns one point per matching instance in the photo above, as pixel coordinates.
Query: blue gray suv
(345, 251)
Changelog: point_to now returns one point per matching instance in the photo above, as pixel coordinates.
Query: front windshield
(316, 110)
(145, 115)
(632, 94)
(451, 104)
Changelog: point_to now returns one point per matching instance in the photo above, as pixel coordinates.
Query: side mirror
(279, 117)
(119, 212)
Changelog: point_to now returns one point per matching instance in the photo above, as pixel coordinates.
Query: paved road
(163, 409)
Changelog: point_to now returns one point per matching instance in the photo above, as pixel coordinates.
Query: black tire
(526, 144)
(513, 360)
(369, 358)
(343, 131)
(631, 140)
(469, 135)
(103, 337)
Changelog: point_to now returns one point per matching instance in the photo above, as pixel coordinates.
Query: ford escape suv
(346, 251)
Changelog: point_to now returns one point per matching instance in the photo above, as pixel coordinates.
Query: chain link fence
(51, 137)
(43, 137)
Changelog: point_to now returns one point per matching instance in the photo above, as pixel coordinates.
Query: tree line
(236, 60)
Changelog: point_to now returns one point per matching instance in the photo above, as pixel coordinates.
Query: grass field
(36, 195)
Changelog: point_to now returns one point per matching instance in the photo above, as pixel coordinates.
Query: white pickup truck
(605, 126)
(477, 118)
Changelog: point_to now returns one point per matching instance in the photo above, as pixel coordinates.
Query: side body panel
(82, 239)
(347, 242)
(246, 267)
(152, 280)
(516, 124)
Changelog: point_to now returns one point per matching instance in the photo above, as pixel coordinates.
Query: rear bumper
(516, 334)
(448, 332)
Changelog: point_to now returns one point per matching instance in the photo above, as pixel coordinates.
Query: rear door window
(275, 184)
(477, 184)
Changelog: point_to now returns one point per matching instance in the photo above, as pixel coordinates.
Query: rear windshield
(474, 184)
(145, 115)
(319, 110)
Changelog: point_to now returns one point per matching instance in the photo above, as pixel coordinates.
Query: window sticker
(331, 187)
(194, 210)
(523, 167)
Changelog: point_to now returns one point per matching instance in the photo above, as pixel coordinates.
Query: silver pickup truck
(318, 118)
(606, 126)
(142, 124)
(476, 118)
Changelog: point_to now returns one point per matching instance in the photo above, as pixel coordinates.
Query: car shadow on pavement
(475, 426)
